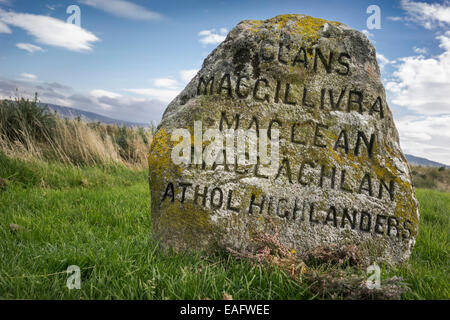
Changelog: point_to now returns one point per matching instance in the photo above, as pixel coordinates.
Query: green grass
(99, 219)
(428, 272)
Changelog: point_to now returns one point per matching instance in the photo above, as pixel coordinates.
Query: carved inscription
(305, 172)
(286, 121)
(291, 209)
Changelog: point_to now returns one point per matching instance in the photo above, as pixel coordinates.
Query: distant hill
(71, 113)
(418, 161)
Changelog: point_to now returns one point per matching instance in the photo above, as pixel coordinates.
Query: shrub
(23, 120)
(431, 178)
(28, 130)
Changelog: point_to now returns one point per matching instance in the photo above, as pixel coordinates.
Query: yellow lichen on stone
(159, 158)
(285, 71)
(304, 25)
(188, 225)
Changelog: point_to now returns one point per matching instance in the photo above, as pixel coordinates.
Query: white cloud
(165, 95)
(51, 31)
(394, 18)
(107, 103)
(420, 50)
(102, 97)
(187, 75)
(383, 61)
(4, 28)
(99, 93)
(427, 14)
(166, 89)
(31, 48)
(28, 76)
(53, 6)
(423, 84)
(426, 137)
(369, 35)
(212, 36)
(123, 9)
(165, 83)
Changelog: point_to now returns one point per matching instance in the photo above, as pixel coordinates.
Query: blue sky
(129, 58)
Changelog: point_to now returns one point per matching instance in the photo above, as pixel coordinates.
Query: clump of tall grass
(431, 177)
(30, 131)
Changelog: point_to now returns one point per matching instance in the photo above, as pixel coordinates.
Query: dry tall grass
(431, 177)
(28, 131)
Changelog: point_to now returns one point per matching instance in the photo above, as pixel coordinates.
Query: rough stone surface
(342, 178)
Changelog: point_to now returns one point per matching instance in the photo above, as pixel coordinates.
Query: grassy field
(76, 193)
(99, 219)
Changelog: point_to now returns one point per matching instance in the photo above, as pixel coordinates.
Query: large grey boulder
(341, 178)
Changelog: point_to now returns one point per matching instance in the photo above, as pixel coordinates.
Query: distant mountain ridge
(71, 113)
(90, 116)
(418, 161)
